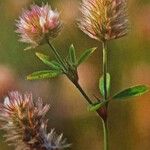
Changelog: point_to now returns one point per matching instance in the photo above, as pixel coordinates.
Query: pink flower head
(22, 106)
(23, 120)
(38, 24)
(104, 19)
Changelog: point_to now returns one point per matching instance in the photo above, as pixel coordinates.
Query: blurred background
(129, 64)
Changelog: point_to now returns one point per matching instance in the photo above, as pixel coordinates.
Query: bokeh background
(129, 64)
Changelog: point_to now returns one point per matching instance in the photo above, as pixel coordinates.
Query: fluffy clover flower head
(23, 120)
(38, 24)
(104, 19)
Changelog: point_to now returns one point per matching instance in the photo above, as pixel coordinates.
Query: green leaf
(85, 55)
(46, 60)
(46, 74)
(96, 106)
(72, 54)
(132, 92)
(101, 84)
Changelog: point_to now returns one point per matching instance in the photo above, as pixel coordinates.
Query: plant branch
(77, 85)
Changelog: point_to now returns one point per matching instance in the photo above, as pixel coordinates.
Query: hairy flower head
(38, 23)
(24, 122)
(104, 19)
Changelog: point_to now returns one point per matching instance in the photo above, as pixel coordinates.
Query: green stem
(57, 55)
(105, 132)
(105, 125)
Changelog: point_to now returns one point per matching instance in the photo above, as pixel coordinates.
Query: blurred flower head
(38, 24)
(24, 122)
(104, 19)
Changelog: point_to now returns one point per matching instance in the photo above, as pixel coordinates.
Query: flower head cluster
(37, 24)
(24, 122)
(104, 19)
